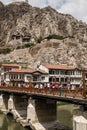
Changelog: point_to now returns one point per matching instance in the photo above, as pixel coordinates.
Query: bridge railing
(76, 93)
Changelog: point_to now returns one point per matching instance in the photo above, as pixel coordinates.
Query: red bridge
(31, 105)
(76, 96)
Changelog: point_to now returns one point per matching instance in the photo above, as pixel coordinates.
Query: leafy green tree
(5, 50)
(54, 36)
(39, 39)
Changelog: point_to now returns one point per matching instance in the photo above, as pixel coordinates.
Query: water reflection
(1, 120)
(65, 114)
(80, 111)
(8, 123)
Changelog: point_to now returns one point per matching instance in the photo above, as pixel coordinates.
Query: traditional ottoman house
(40, 76)
(19, 76)
(25, 76)
(45, 73)
(6, 68)
(62, 73)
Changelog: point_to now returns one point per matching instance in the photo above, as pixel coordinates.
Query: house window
(14, 76)
(86, 75)
(62, 72)
(62, 79)
(72, 72)
(28, 78)
(78, 72)
(43, 78)
(11, 76)
(57, 72)
(57, 79)
(51, 71)
(50, 79)
(35, 78)
(65, 79)
(66, 72)
(21, 76)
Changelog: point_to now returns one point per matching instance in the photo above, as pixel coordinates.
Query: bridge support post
(2, 104)
(79, 123)
(10, 103)
(46, 110)
(1, 101)
(41, 111)
(83, 108)
(31, 114)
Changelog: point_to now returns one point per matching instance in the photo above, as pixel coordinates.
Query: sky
(77, 8)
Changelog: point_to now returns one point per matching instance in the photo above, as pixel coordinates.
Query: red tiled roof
(10, 65)
(56, 66)
(40, 71)
(21, 71)
(30, 70)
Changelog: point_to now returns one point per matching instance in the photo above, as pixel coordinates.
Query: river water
(8, 123)
(64, 115)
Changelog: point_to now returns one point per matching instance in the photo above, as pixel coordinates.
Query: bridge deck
(76, 96)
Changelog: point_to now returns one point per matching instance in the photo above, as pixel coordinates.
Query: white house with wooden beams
(45, 73)
(6, 68)
(26, 76)
(14, 74)
(62, 73)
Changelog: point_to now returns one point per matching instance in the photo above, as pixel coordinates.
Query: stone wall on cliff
(19, 22)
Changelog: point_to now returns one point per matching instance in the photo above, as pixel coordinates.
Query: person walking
(60, 88)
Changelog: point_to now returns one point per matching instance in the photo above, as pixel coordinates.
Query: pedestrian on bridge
(60, 87)
(69, 86)
(36, 86)
(57, 87)
(73, 87)
(41, 86)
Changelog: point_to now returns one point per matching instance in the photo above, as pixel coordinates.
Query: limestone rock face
(20, 21)
(59, 52)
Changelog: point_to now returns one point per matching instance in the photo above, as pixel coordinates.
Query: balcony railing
(76, 76)
(64, 76)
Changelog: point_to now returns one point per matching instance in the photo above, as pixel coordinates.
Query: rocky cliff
(21, 23)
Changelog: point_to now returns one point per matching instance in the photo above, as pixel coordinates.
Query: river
(64, 115)
(8, 123)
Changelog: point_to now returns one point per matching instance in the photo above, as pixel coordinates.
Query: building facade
(12, 74)
(26, 76)
(5, 68)
(45, 73)
(62, 73)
